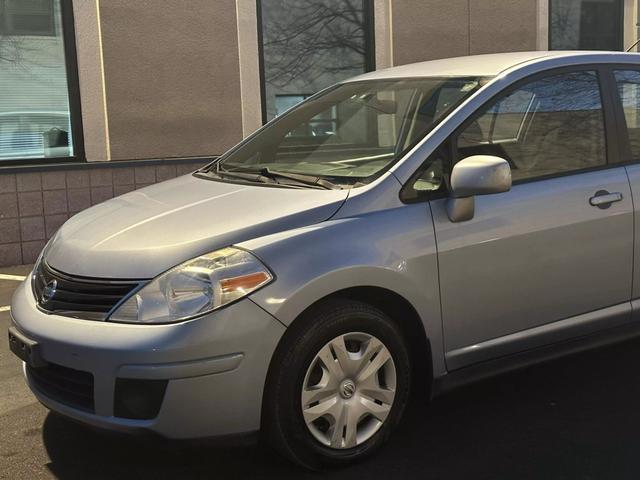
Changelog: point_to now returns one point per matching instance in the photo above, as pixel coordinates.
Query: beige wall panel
(172, 77)
(429, 29)
(503, 25)
(249, 65)
(90, 74)
(383, 33)
(630, 27)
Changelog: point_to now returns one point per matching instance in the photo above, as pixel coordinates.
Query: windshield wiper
(310, 180)
(266, 175)
(252, 177)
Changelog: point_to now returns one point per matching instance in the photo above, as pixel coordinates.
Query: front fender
(392, 249)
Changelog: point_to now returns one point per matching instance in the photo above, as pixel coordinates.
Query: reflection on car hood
(146, 232)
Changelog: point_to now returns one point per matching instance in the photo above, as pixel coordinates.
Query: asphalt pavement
(574, 418)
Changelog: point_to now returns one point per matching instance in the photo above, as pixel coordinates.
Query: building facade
(101, 97)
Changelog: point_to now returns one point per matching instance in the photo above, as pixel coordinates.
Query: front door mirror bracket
(475, 175)
(461, 209)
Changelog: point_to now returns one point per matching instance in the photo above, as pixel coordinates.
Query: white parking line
(5, 308)
(17, 278)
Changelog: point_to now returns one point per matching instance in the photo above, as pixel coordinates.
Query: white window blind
(34, 101)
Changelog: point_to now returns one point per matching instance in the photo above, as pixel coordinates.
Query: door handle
(603, 199)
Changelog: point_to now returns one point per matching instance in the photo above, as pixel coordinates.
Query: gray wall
(172, 77)
(502, 26)
(426, 30)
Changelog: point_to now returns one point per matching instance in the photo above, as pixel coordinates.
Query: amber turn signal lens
(244, 282)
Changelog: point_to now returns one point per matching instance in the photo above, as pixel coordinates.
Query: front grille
(91, 299)
(65, 385)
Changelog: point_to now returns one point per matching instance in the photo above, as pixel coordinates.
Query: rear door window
(628, 83)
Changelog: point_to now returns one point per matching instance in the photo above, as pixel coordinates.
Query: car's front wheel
(338, 384)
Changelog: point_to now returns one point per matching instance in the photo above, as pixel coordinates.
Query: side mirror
(476, 175)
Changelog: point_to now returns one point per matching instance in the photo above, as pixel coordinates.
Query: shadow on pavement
(576, 418)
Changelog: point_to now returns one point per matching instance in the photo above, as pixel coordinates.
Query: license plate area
(25, 349)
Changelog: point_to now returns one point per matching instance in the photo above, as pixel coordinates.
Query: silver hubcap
(348, 390)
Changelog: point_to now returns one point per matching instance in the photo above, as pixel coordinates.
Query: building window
(586, 25)
(307, 46)
(36, 120)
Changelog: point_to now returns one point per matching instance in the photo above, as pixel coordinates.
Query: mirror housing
(476, 175)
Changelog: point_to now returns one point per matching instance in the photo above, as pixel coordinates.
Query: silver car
(450, 220)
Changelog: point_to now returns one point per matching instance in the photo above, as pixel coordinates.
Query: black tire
(283, 422)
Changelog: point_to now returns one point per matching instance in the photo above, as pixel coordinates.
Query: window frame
(369, 44)
(620, 32)
(612, 132)
(73, 93)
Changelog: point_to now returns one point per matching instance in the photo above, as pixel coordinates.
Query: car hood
(145, 232)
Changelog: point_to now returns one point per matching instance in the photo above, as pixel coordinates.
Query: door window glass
(629, 90)
(431, 177)
(549, 126)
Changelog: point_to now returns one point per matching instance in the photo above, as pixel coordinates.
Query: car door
(552, 258)
(627, 101)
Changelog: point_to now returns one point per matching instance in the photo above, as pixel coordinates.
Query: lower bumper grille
(64, 385)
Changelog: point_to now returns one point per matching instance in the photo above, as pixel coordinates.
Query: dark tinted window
(629, 90)
(585, 25)
(549, 126)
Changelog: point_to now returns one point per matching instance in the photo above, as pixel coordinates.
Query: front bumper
(215, 366)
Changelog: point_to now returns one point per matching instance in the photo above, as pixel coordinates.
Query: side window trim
(408, 194)
(612, 125)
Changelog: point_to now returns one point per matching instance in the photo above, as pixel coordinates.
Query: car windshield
(347, 134)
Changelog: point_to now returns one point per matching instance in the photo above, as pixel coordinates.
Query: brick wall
(33, 205)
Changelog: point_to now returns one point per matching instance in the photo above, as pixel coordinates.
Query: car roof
(488, 65)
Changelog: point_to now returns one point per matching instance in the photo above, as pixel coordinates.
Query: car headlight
(194, 288)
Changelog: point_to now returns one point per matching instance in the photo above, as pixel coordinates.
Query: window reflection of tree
(311, 38)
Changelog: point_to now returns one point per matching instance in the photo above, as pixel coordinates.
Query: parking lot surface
(575, 418)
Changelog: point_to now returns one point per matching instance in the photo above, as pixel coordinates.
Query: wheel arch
(400, 311)
(403, 313)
